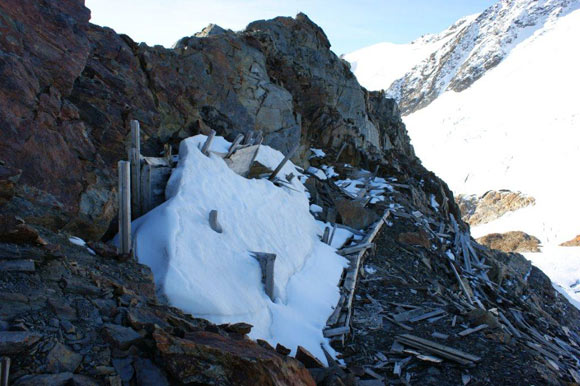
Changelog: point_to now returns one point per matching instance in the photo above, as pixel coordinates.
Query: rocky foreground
(68, 90)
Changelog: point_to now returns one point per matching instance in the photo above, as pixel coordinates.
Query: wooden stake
(207, 144)
(235, 145)
(281, 165)
(135, 159)
(4, 371)
(326, 235)
(146, 196)
(124, 208)
(340, 151)
(213, 221)
(266, 261)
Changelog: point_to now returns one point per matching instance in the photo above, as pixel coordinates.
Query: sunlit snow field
(518, 128)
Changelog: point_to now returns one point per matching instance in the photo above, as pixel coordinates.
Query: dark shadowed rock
(210, 358)
(307, 359)
(148, 374)
(16, 342)
(62, 359)
(354, 214)
(120, 336)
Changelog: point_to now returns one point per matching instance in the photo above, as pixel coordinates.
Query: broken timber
(341, 316)
(267, 261)
(207, 144)
(4, 371)
(124, 208)
(281, 165)
(446, 352)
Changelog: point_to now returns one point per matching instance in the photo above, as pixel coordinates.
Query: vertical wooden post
(207, 144)
(340, 151)
(267, 261)
(281, 165)
(135, 159)
(168, 153)
(146, 194)
(124, 208)
(213, 221)
(4, 371)
(326, 235)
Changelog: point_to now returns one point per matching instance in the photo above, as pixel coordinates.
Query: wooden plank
(135, 169)
(281, 165)
(326, 235)
(407, 315)
(235, 145)
(461, 284)
(329, 333)
(124, 208)
(468, 331)
(333, 318)
(342, 147)
(428, 315)
(146, 197)
(208, 141)
(4, 371)
(332, 234)
(450, 350)
(20, 265)
(355, 249)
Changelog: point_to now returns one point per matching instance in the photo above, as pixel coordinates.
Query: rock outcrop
(491, 205)
(514, 241)
(66, 122)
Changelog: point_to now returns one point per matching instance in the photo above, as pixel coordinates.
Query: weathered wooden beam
(135, 160)
(329, 333)
(468, 331)
(326, 235)
(332, 234)
(235, 145)
(267, 261)
(207, 144)
(342, 147)
(281, 165)
(438, 349)
(461, 284)
(355, 249)
(146, 189)
(213, 221)
(4, 371)
(124, 208)
(18, 265)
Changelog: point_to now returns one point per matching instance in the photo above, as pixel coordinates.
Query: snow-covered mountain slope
(517, 128)
(379, 65)
(458, 56)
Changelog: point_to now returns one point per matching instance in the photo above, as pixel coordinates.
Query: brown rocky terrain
(575, 242)
(68, 90)
(491, 205)
(514, 241)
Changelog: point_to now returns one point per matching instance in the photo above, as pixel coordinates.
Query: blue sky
(350, 25)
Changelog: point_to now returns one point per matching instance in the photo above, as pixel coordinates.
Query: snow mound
(214, 275)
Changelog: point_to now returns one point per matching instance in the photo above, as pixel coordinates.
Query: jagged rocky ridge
(68, 91)
(473, 46)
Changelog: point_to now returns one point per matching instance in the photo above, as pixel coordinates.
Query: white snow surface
(214, 276)
(518, 128)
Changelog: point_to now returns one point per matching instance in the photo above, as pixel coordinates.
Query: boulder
(209, 358)
(491, 205)
(17, 342)
(514, 241)
(120, 336)
(575, 242)
(62, 359)
(354, 214)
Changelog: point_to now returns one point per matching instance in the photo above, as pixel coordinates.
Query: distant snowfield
(379, 65)
(214, 276)
(518, 128)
